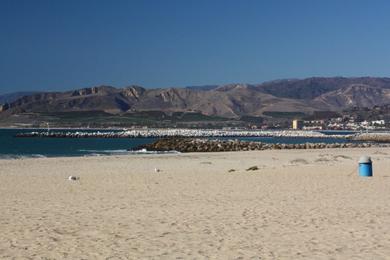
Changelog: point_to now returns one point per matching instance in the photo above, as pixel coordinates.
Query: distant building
(378, 122)
(297, 124)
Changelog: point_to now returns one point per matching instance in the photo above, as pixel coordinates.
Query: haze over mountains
(230, 101)
(11, 97)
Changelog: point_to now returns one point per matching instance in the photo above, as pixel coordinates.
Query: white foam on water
(14, 156)
(88, 154)
(144, 151)
(103, 151)
(124, 152)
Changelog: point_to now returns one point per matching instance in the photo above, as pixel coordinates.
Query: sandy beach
(298, 204)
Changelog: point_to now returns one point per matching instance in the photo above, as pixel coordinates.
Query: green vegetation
(194, 117)
(283, 114)
(319, 115)
(252, 119)
(104, 119)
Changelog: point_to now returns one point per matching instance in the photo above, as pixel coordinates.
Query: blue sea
(12, 147)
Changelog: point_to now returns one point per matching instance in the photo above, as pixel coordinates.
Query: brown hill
(234, 100)
(355, 95)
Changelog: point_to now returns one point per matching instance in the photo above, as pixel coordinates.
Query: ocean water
(12, 147)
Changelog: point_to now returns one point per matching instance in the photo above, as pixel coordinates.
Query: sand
(299, 204)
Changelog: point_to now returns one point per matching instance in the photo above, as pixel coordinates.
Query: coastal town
(345, 123)
(339, 123)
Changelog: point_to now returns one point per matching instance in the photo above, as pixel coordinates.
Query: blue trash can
(365, 166)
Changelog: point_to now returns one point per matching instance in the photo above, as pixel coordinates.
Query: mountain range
(228, 101)
(11, 97)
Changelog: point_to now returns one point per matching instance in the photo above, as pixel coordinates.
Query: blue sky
(58, 45)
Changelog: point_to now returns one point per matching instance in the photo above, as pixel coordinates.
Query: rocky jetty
(180, 132)
(188, 145)
(77, 134)
(372, 137)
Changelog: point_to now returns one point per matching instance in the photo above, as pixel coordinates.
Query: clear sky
(58, 45)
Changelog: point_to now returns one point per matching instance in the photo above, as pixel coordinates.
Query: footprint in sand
(381, 153)
(299, 161)
(323, 159)
(342, 157)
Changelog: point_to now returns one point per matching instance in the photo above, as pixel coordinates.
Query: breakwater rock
(188, 145)
(177, 132)
(78, 134)
(372, 137)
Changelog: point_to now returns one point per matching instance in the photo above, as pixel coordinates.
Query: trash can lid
(365, 159)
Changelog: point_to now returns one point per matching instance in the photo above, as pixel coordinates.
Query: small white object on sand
(73, 178)
(157, 170)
